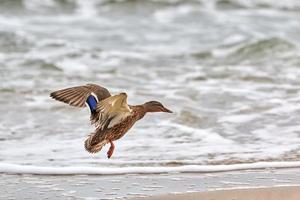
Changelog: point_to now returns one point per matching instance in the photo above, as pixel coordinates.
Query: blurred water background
(228, 68)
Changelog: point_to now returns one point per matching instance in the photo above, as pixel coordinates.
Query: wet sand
(27, 186)
(271, 193)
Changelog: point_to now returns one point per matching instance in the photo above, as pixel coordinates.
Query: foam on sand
(43, 170)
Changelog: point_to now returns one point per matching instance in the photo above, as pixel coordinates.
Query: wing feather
(111, 111)
(77, 96)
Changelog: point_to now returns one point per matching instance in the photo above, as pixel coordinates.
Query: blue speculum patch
(92, 102)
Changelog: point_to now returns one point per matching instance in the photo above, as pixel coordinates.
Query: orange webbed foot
(111, 149)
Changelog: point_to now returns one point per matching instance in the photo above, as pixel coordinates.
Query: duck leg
(111, 149)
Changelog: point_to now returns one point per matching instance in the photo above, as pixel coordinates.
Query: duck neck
(140, 111)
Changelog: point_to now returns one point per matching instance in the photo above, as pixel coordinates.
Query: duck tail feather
(92, 145)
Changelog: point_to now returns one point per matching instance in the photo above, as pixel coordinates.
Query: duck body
(111, 115)
(100, 137)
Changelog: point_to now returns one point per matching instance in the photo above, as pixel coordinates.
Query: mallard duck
(111, 115)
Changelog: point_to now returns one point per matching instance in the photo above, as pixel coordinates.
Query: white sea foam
(29, 169)
(37, 5)
(169, 14)
(86, 8)
(70, 66)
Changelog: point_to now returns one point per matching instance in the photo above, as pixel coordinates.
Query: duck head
(155, 106)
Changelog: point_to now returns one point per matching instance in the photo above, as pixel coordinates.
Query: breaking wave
(42, 170)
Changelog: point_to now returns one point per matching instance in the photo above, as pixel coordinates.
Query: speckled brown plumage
(99, 138)
(111, 115)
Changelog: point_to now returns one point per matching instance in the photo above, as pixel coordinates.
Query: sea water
(228, 69)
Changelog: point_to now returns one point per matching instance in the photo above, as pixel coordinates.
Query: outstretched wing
(77, 96)
(111, 111)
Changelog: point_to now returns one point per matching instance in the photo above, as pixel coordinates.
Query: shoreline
(28, 186)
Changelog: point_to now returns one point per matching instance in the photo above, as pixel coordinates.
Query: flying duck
(111, 115)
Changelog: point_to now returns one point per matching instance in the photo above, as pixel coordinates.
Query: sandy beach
(271, 183)
(271, 193)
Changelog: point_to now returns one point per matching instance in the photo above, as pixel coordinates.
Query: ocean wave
(260, 50)
(282, 5)
(79, 170)
(90, 7)
(269, 44)
(220, 4)
(12, 42)
(20, 7)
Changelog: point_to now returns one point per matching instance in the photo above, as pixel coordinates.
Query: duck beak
(166, 110)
